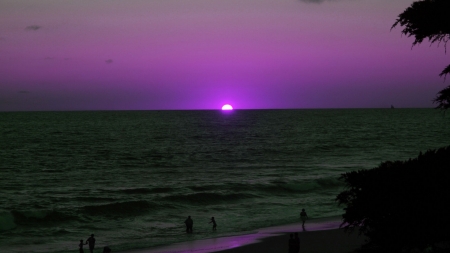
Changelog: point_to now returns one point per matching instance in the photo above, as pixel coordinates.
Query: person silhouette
(297, 243)
(106, 249)
(291, 244)
(213, 222)
(91, 241)
(303, 217)
(189, 224)
(81, 246)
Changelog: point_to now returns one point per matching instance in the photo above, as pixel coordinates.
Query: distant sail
(392, 107)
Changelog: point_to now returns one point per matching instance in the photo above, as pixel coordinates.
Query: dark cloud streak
(32, 28)
(316, 1)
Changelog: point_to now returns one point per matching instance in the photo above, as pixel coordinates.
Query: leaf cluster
(443, 97)
(427, 19)
(400, 205)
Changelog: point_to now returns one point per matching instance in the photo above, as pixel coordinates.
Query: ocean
(132, 177)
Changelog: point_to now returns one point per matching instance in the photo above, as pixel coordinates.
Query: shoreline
(320, 235)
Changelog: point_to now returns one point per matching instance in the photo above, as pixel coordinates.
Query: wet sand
(323, 241)
(319, 236)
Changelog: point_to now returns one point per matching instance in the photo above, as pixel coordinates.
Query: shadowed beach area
(320, 236)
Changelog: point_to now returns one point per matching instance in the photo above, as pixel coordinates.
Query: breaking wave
(207, 198)
(127, 208)
(274, 187)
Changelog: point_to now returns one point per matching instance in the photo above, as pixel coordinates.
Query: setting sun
(227, 107)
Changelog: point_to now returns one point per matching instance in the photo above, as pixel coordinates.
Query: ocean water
(132, 177)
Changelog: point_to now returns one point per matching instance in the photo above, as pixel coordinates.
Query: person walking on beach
(189, 224)
(81, 246)
(213, 222)
(91, 242)
(303, 217)
(297, 243)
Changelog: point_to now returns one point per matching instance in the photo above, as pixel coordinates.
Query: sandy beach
(319, 236)
(334, 240)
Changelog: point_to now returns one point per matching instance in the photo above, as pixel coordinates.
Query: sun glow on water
(227, 107)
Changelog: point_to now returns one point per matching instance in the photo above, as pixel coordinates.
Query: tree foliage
(443, 99)
(429, 19)
(400, 205)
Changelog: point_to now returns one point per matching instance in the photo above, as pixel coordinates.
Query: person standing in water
(303, 217)
(214, 223)
(91, 242)
(81, 246)
(189, 224)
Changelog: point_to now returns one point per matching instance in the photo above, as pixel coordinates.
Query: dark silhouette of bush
(400, 205)
(429, 19)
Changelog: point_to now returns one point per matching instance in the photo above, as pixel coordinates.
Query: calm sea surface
(132, 177)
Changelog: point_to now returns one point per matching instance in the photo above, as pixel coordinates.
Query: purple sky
(201, 54)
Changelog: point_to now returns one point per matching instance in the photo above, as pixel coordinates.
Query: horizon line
(218, 109)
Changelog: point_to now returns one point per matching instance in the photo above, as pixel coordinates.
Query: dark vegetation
(404, 206)
(443, 98)
(429, 19)
(401, 206)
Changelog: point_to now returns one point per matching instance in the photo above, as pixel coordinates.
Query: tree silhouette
(401, 206)
(443, 98)
(429, 19)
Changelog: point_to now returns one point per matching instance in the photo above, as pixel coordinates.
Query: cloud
(316, 1)
(32, 28)
(24, 92)
(109, 61)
